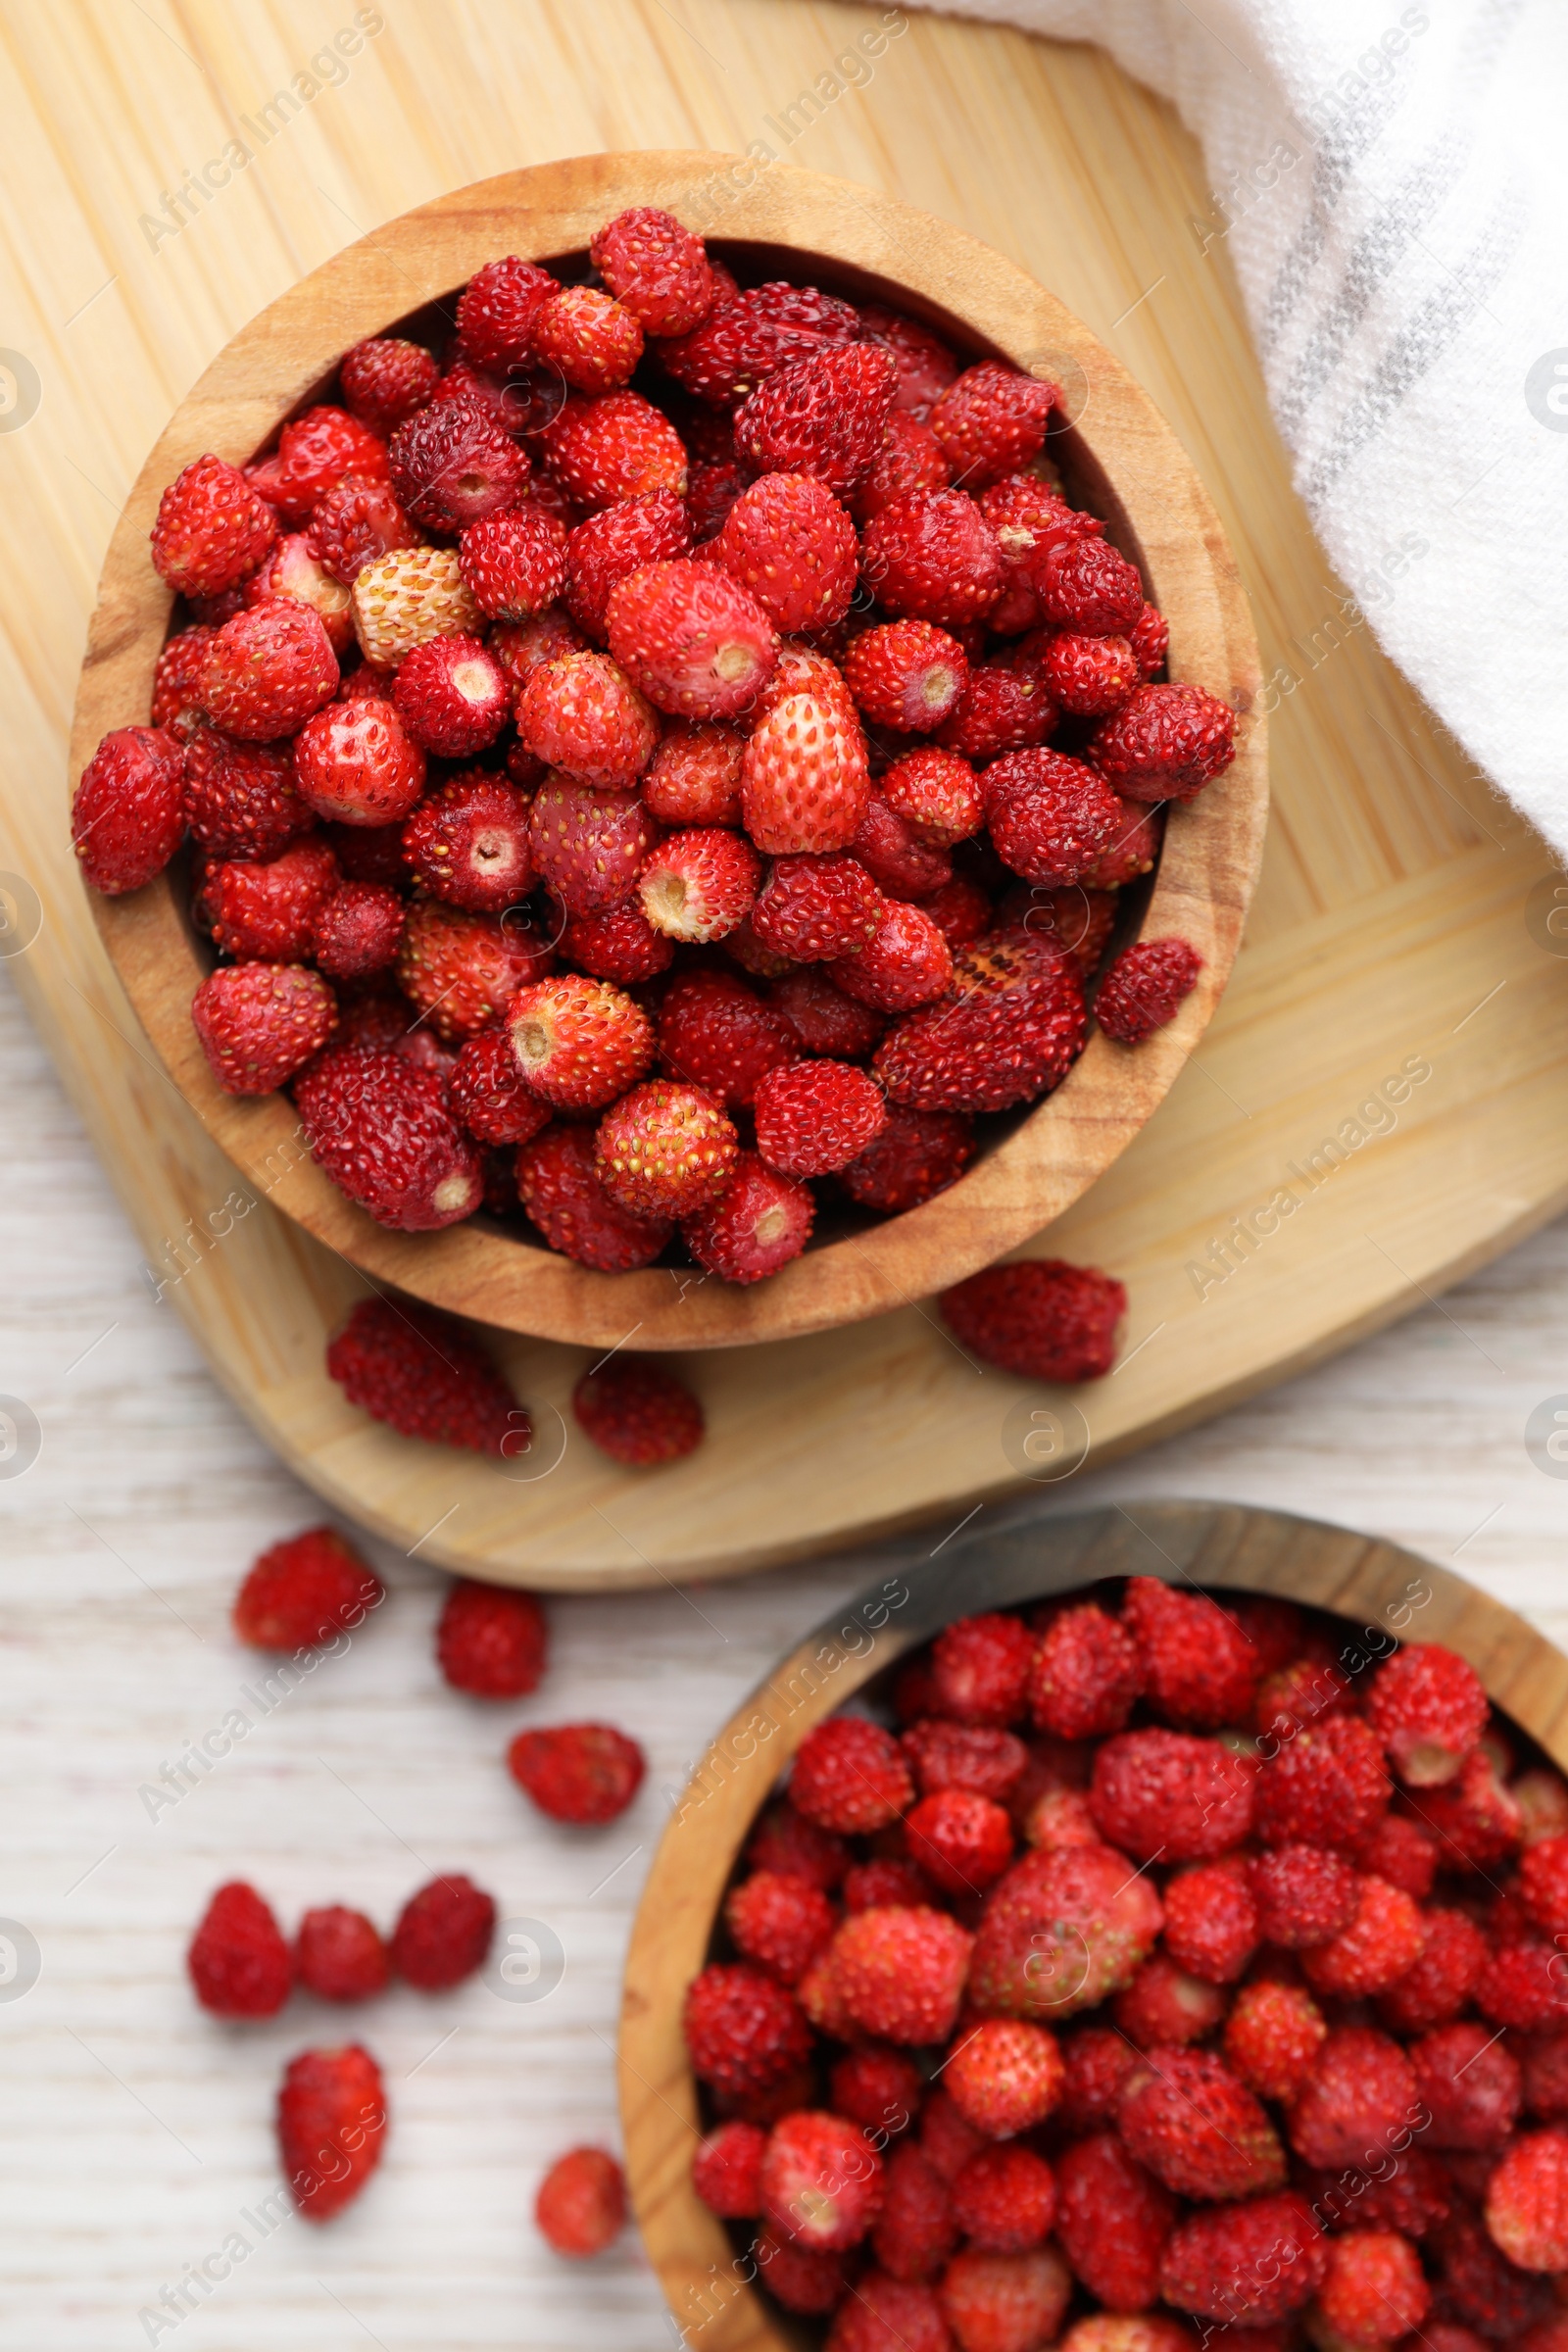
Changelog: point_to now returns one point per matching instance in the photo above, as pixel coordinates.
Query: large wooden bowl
(1120, 457)
(1373, 1584)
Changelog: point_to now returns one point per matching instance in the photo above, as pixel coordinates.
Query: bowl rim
(1156, 507)
(1022, 1556)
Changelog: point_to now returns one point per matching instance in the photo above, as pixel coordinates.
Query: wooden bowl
(1376, 1584)
(1120, 457)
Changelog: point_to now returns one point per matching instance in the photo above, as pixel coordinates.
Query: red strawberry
(1012, 1028)
(1085, 585)
(358, 762)
(747, 339)
(961, 912)
(616, 542)
(823, 1018)
(592, 340)
(460, 969)
(935, 793)
(907, 674)
(743, 2032)
(617, 943)
(238, 1961)
(815, 1117)
(258, 1022)
(514, 562)
(960, 1842)
(331, 2120)
(176, 683)
(634, 1409)
(1185, 1799)
(824, 416)
(932, 557)
(292, 569)
(821, 2181)
(693, 639)
(992, 420)
(804, 779)
(757, 1224)
(1050, 818)
(585, 1772)
(801, 669)
(565, 1199)
(418, 1371)
(910, 461)
(1114, 2221)
(1200, 1664)
(726, 2171)
(1429, 1708)
(665, 1150)
(621, 446)
(1272, 2037)
(383, 1132)
(267, 670)
(1002, 708)
(908, 963)
(926, 365)
(304, 1591)
(779, 1923)
(315, 453)
(1186, 2118)
(488, 1094)
(125, 822)
(491, 1643)
(789, 542)
(996, 2302)
(584, 716)
(657, 268)
(386, 378)
(700, 883)
(589, 843)
(212, 529)
(813, 907)
(339, 1955)
(497, 309)
(898, 1973)
(1527, 2202)
(900, 858)
(452, 465)
(917, 1154)
(1149, 639)
(355, 524)
(714, 1033)
(694, 778)
(1262, 2258)
(579, 1043)
(468, 841)
(267, 913)
(1165, 743)
(443, 1933)
(1089, 676)
(711, 492)
(1085, 1675)
(582, 2204)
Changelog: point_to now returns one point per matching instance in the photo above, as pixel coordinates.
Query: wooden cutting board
(1382, 1101)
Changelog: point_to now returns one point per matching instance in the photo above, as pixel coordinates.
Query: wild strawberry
(1027, 518)
(909, 462)
(1114, 2222)
(291, 568)
(1272, 2037)
(692, 638)
(931, 556)
(355, 524)
(1165, 2008)
(618, 943)
(258, 1022)
(1145, 988)
(1428, 1707)
(824, 416)
(1089, 676)
(451, 466)
(513, 562)
(490, 1643)
(1527, 2202)
(125, 820)
(968, 1756)
(991, 421)
(711, 492)
(1375, 2290)
(875, 1885)
(898, 1973)
(1212, 1924)
(212, 529)
(1005, 2200)
(267, 670)
(468, 841)
(636, 1410)
(785, 1840)
(876, 2086)
(743, 341)
(744, 2034)
(460, 969)
(238, 1962)
(452, 696)
(1470, 2085)
(1085, 586)
(1325, 1787)
(1474, 1817)
(488, 1094)
(695, 775)
(383, 1132)
(850, 1776)
(1435, 1986)
(618, 447)
(906, 963)
(1482, 2286)
(665, 1150)
(714, 1033)
(1040, 1320)
(565, 1199)
(1382, 1940)
(789, 543)
(497, 309)
(592, 340)
(340, 1956)
(935, 792)
(1097, 2061)
(1189, 2121)
(578, 1042)
(1257, 2261)
(700, 883)
(779, 1923)
(585, 1772)
(358, 762)
(656, 268)
(895, 854)
(581, 2207)
(756, 1226)
(726, 2171)
(304, 1591)
(1051, 819)
(443, 1933)
(1167, 1792)
(743, 947)
(821, 2181)
(1200, 1665)
(1061, 1931)
(589, 843)
(1085, 1676)
(1012, 1027)
(803, 782)
(1304, 1895)
(315, 453)
(926, 365)
(1519, 1985)
(331, 2120)
(1131, 851)
(1005, 2302)
(917, 2231)
(407, 595)
(267, 911)
(813, 1117)
(823, 1018)
(385, 378)
(585, 717)
(799, 2278)
(812, 907)
(907, 674)
(420, 1372)
(615, 543)
(176, 683)
(1361, 2089)
(1001, 709)
(962, 1841)
(980, 1668)
(1164, 744)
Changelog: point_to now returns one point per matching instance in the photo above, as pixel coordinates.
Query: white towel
(1391, 183)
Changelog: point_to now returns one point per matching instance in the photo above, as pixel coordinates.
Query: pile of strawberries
(677, 750)
(1178, 1968)
(308, 1591)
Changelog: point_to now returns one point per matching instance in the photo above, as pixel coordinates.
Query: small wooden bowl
(1121, 457)
(1375, 1585)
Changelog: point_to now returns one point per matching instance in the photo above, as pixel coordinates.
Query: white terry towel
(1391, 182)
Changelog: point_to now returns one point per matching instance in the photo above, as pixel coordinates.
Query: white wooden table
(137, 2131)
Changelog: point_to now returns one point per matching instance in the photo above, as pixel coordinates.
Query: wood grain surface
(1390, 926)
(1371, 1585)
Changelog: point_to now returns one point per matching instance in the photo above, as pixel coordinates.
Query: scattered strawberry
(617, 447)
(331, 2120)
(407, 595)
(744, 2034)
(700, 883)
(564, 1197)
(418, 1371)
(126, 818)
(238, 1961)
(451, 466)
(579, 1771)
(305, 1591)
(991, 421)
(727, 2171)
(657, 268)
(636, 1410)
(1040, 1320)
(340, 1956)
(1010, 1030)
(267, 670)
(1164, 744)
(931, 556)
(443, 1934)
(491, 1643)
(581, 2203)
(813, 1117)
(1145, 989)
